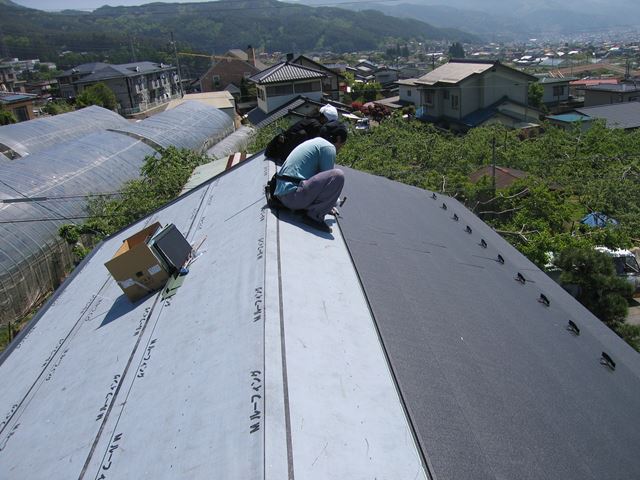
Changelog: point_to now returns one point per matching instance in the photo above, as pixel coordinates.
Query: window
(21, 114)
(445, 94)
(408, 92)
(260, 93)
(278, 90)
(454, 102)
(428, 97)
(216, 80)
(308, 87)
(558, 90)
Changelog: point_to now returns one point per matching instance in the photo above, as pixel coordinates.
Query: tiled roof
(285, 72)
(458, 70)
(260, 119)
(614, 88)
(618, 115)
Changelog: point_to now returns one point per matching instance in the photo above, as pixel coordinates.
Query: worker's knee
(338, 176)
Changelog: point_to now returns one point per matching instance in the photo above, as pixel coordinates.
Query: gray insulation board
(495, 385)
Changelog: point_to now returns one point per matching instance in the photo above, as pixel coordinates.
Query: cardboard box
(136, 268)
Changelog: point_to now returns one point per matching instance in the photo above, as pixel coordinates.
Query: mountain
(512, 18)
(211, 27)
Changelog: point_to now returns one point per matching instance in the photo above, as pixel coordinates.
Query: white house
(283, 82)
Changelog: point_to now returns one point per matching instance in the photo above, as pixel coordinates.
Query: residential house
(618, 115)
(9, 78)
(294, 110)
(332, 85)
(138, 87)
(283, 82)
(233, 68)
(22, 105)
(576, 87)
(556, 90)
(608, 94)
(504, 176)
(223, 101)
(463, 94)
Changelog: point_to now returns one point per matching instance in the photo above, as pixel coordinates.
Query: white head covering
(330, 112)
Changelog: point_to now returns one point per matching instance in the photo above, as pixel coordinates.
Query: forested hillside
(212, 27)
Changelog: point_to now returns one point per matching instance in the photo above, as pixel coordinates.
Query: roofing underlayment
(400, 346)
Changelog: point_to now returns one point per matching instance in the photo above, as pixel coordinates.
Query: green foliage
(456, 50)
(57, 107)
(600, 289)
(98, 94)
(162, 178)
(629, 333)
(264, 135)
(6, 117)
(536, 92)
(367, 92)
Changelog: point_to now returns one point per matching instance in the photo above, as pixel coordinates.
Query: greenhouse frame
(50, 188)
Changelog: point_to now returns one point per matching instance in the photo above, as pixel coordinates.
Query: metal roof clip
(434, 196)
(468, 229)
(444, 206)
(455, 217)
(544, 300)
(573, 328)
(483, 244)
(520, 278)
(607, 361)
(500, 259)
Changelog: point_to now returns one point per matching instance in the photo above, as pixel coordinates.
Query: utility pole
(493, 164)
(175, 53)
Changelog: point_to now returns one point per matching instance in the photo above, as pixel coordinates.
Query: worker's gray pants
(317, 195)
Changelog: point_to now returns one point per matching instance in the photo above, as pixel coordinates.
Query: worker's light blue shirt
(306, 160)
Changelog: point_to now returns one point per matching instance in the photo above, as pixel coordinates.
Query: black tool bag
(270, 188)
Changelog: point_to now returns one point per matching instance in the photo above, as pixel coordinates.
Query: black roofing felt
(494, 383)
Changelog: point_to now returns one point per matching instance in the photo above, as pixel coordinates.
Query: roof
(505, 176)
(222, 100)
(614, 88)
(589, 82)
(285, 72)
(9, 98)
(101, 71)
(455, 71)
(25, 138)
(320, 66)
(617, 115)
(569, 117)
(260, 119)
(396, 347)
(553, 80)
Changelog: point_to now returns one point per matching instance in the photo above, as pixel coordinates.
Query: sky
(86, 4)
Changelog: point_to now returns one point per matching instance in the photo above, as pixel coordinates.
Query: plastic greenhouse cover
(98, 163)
(191, 125)
(29, 137)
(236, 142)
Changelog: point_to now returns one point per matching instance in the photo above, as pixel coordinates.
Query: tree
(600, 289)
(456, 50)
(6, 117)
(368, 91)
(98, 94)
(536, 91)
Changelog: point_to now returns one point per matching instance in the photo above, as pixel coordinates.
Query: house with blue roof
(463, 94)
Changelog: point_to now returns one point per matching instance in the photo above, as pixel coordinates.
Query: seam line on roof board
(117, 391)
(285, 381)
(426, 463)
(52, 358)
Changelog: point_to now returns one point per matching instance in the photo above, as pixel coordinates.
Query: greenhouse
(26, 138)
(50, 188)
(191, 125)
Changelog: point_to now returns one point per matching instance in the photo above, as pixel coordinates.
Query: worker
(309, 181)
(283, 144)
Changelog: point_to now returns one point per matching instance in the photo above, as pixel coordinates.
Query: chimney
(251, 55)
(289, 57)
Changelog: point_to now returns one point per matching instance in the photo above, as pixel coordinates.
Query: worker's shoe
(319, 225)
